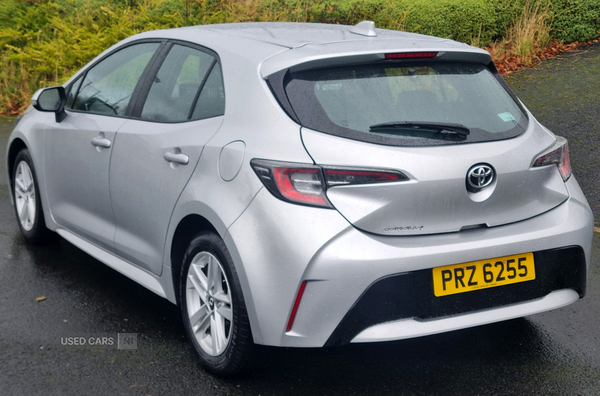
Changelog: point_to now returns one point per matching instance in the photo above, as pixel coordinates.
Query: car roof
(297, 34)
(274, 46)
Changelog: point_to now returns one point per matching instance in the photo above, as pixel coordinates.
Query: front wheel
(213, 309)
(28, 206)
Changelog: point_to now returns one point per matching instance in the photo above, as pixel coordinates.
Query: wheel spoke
(222, 297)
(200, 319)
(27, 181)
(225, 312)
(19, 193)
(24, 213)
(220, 330)
(20, 204)
(214, 275)
(214, 335)
(21, 188)
(197, 284)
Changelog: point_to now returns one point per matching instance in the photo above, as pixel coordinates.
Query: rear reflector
(295, 307)
(411, 55)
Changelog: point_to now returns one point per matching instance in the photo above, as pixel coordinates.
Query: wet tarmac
(555, 353)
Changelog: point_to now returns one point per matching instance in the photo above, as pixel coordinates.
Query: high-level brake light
(411, 55)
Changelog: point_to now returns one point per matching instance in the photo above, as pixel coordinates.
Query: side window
(176, 84)
(108, 86)
(211, 102)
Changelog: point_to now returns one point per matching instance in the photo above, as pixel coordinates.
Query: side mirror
(51, 100)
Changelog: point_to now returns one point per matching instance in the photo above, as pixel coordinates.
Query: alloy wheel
(209, 306)
(25, 196)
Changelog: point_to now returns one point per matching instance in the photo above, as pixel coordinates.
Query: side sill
(126, 268)
(410, 328)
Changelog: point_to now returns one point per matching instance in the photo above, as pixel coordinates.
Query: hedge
(43, 42)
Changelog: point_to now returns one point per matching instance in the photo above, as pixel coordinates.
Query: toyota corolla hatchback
(305, 185)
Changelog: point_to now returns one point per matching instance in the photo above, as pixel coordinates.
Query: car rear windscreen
(416, 104)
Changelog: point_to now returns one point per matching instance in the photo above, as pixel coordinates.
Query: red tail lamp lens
(307, 184)
(292, 182)
(559, 156)
(300, 185)
(411, 55)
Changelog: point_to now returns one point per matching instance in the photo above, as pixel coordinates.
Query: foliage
(43, 42)
(576, 20)
(531, 32)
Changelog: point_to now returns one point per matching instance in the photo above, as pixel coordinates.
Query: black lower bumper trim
(410, 295)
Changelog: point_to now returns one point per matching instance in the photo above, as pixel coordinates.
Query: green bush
(462, 20)
(575, 20)
(42, 42)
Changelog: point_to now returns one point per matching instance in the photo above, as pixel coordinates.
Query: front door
(78, 149)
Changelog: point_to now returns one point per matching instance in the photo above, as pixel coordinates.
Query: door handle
(101, 141)
(177, 157)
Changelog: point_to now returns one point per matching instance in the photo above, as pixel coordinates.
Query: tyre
(27, 202)
(213, 309)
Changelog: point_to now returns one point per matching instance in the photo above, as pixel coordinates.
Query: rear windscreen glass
(408, 104)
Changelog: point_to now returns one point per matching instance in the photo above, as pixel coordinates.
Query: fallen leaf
(40, 298)
(597, 230)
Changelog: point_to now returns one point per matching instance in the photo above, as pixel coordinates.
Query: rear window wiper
(441, 127)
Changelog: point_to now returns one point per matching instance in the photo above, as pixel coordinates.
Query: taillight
(557, 155)
(307, 184)
(297, 183)
(411, 55)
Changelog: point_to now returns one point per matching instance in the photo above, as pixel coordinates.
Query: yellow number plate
(500, 271)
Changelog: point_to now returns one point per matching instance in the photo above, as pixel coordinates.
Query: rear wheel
(28, 206)
(213, 309)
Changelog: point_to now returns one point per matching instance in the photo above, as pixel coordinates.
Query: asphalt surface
(555, 353)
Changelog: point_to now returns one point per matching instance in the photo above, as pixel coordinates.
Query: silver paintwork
(76, 161)
(25, 196)
(123, 203)
(436, 196)
(209, 304)
(410, 328)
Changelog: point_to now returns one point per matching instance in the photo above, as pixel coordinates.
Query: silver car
(305, 185)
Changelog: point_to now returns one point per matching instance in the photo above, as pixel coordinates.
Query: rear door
(77, 150)
(155, 155)
(442, 124)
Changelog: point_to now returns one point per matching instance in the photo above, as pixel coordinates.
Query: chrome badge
(479, 177)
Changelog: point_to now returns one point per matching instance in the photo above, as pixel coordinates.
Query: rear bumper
(410, 328)
(408, 301)
(277, 246)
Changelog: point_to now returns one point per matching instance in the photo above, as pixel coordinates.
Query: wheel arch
(15, 147)
(188, 227)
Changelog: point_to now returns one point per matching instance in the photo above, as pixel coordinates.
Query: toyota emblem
(480, 176)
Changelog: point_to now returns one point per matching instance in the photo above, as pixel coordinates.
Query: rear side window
(407, 105)
(176, 87)
(211, 102)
